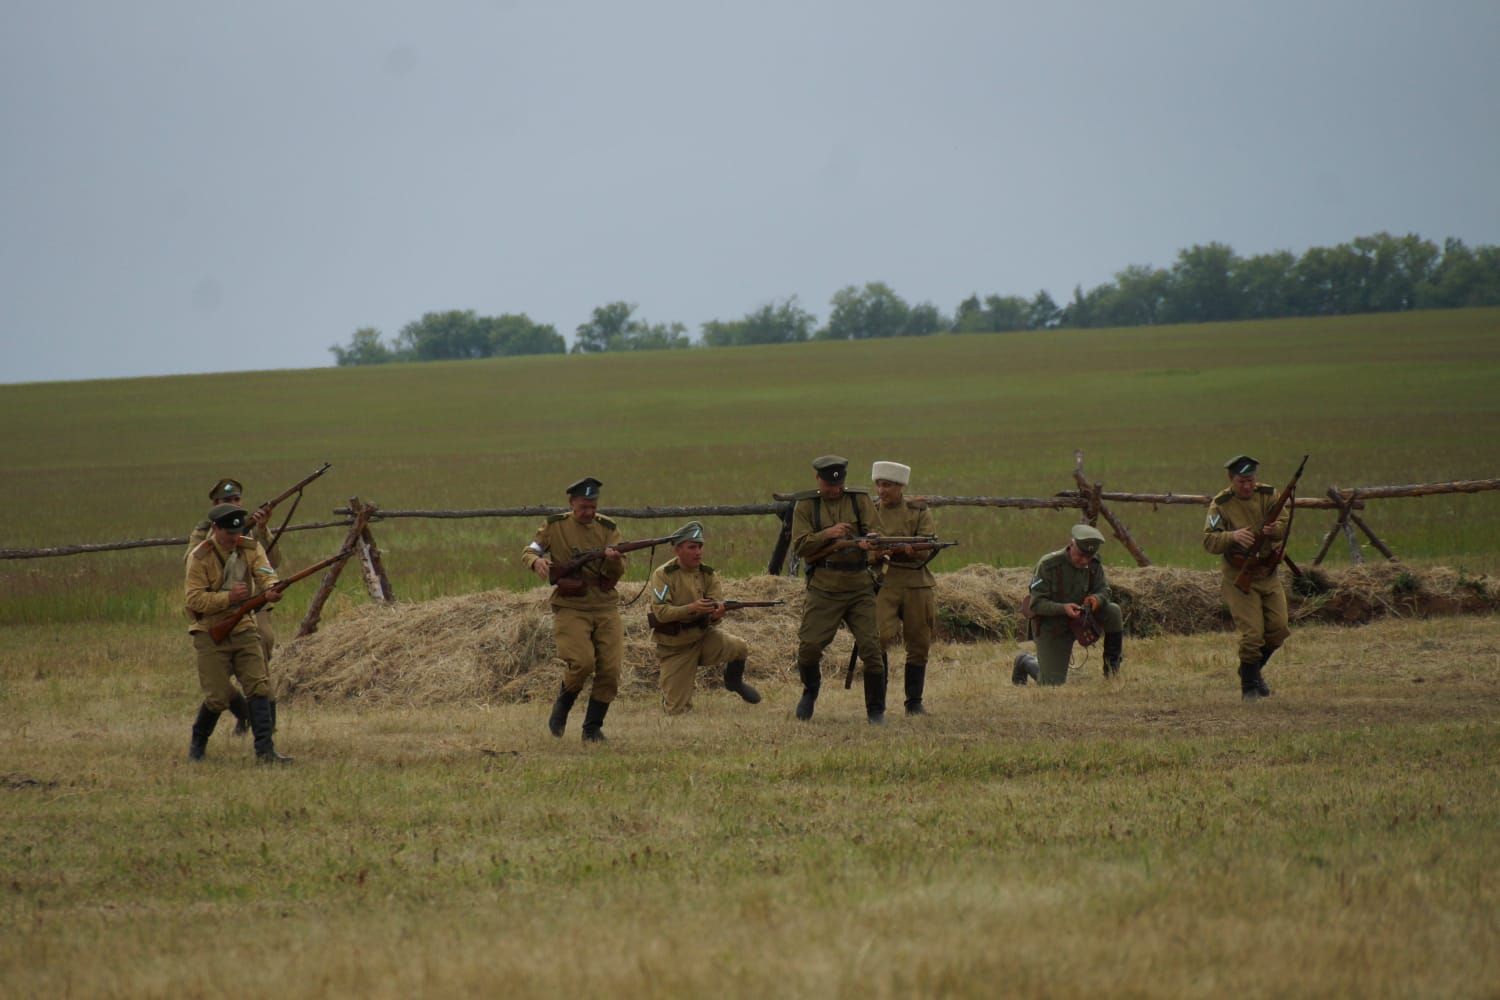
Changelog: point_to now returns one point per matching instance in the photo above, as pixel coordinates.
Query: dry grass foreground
(1150, 836)
(497, 646)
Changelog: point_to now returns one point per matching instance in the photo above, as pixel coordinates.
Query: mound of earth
(497, 645)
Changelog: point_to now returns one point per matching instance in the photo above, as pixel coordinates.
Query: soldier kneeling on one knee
(1068, 585)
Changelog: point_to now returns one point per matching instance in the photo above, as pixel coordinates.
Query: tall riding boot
(203, 728)
(1026, 666)
(558, 720)
(734, 680)
(593, 721)
(1114, 652)
(915, 680)
(875, 696)
(1249, 690)
(812, 680)
(1266, 652)
(240, 709)
(260, 725)
(272, 702)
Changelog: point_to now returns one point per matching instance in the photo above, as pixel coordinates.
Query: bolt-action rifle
(919, 543)
(220, 632)
(297, 489)
(566, 576)
(673, 628)
(1265, 555)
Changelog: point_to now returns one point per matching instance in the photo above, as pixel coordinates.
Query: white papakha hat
(893, 472)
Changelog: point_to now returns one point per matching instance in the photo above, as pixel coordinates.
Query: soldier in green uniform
(905, 606)
(231, 491)
(1235, 516)
(840, 587)
(224, 570)
(686, 608)
(1065, 583)
(586, 620)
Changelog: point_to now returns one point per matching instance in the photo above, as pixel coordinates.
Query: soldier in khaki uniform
(1066, 582)
(1235, 516)
(224, 570)
(686, 608)
(905, 606)
(586, 620)
(840, 587)
(231, 491)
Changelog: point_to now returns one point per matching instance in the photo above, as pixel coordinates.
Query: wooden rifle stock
(220, 632)
(1265, 554)
(558, 572)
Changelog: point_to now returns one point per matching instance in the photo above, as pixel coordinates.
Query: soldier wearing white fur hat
(905, 607)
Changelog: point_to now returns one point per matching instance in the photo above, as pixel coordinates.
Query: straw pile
(497, 645)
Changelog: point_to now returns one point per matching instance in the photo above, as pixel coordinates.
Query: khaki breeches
(237, 657)
(679, 665)
(822, 613)
(592, 644)
(1053, 651)
(908, 613)
(1260, 616)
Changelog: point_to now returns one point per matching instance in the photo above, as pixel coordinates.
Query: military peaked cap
(690, 532)
(587, 487)
(226, 488)
(1088, 538)
(230, 517)
(1241, 465)
(831, 468)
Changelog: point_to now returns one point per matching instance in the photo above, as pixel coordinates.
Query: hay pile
(497, 645)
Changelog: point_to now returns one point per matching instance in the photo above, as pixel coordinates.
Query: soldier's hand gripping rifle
(1266, 554)
(567, 576)
(270, 505)
(220, 632)
(673, 628)
(919, 543)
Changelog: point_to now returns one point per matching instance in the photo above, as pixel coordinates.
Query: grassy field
(1151, 836)
(1375, 399)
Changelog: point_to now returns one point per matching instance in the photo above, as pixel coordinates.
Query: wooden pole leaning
(325, 589)
(1096, 509)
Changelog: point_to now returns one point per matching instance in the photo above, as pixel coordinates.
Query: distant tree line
(1207, 283)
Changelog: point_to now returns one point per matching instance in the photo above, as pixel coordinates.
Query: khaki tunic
(905, 607)
(262, 617)
(839, 589)
(588, 630)
(210, 573)
(1261, 615)
(1055, 583)
(699, 643)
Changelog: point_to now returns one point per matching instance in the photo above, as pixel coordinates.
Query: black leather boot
(734, 680)
(915, 679)
(593, 721)
(1026, 666)
(558, 720)
(875, 696)
(812, 680)
(1249, 690)
(240, 709)
(203, 728)
(1114, 652)
(1266, 652)
(272, 702)
(260, 725)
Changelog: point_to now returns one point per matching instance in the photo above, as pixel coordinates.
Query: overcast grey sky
(178, 178)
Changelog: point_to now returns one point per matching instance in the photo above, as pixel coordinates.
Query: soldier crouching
(1066, 583)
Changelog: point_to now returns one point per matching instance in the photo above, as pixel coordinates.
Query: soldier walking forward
(1067, 583)
(224, 570)
(840, 587)
(1237, 514)
(586, 622)
(686, 608)
(905, 606)
(231, 491)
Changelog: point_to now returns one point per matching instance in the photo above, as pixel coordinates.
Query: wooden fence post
(325, 589)
(1095, 493)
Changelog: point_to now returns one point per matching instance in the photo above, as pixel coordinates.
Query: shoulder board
(916, 505)
(204, 525)
(201, 548)
(1052, 557)
(608, 522)
(804, 494)
(246, 542)
(1264, 488)
(706, 568)
(862, 491)
(1223, 495)
(554, 518)
(670, 567)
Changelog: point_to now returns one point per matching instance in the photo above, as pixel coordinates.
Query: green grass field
(1149, 837)
(1375, 399)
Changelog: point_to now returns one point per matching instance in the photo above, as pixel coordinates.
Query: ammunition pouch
(671, 628)
(577, 586)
